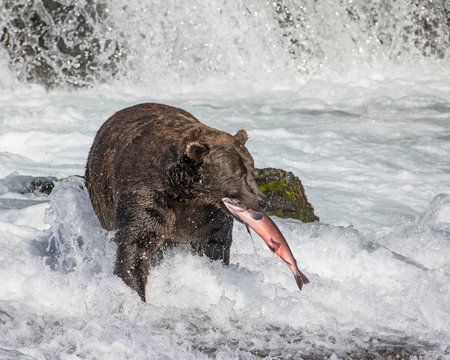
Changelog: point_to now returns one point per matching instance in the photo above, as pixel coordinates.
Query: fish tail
(300, 278)
(304, 278)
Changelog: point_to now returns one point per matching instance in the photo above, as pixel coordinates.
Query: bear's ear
(241, 136)
(195, 150)
(198, 133)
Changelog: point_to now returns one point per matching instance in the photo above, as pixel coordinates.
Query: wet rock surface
(24, 184)
(53, 42)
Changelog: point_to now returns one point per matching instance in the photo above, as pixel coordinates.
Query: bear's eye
(240, 175)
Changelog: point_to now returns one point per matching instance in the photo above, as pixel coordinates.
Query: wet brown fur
(156, 175)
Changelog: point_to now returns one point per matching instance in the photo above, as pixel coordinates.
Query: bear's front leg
(215, 235)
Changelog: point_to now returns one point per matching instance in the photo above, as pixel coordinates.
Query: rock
(56, 42)
(287, 198)
(43, 186)
(24, 184)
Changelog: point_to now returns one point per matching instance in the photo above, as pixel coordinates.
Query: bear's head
(224, 168)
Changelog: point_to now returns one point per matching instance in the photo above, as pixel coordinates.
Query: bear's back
(151, 125)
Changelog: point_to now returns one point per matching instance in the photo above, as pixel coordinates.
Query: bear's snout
(262, 201)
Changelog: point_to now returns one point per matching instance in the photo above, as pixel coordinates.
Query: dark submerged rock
(53, 42)
(287, 198)
(24, 184)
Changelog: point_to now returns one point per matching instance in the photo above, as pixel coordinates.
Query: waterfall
(75, 43)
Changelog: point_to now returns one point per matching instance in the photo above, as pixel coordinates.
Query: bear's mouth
(238, 211)
(233, 207)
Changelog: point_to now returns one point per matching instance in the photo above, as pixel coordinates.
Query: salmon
(269, 232)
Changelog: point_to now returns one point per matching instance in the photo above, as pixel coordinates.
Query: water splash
(84, 42)
(57, 42)
(75, 242)
(350, 32)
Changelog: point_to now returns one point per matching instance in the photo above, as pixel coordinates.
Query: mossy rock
(286, 195)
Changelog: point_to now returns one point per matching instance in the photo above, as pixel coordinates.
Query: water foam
(376, 302)
(168, 45)
(360, 115)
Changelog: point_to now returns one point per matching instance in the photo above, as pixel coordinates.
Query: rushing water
(353, 97)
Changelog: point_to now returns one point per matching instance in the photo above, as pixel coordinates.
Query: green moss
(304, 218)
(279, 186)
(272, 186)
(290, 195)
(276, 212)
(289, 214)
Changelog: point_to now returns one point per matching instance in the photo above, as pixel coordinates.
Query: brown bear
(157, 176)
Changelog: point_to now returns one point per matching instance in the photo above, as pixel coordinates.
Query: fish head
(242, 213)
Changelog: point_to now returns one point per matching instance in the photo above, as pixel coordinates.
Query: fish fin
(248, 230)
(300, 279)
(275, 245)
(251, 237)
(304, 278)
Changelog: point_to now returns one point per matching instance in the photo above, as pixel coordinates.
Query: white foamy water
(366, 127)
